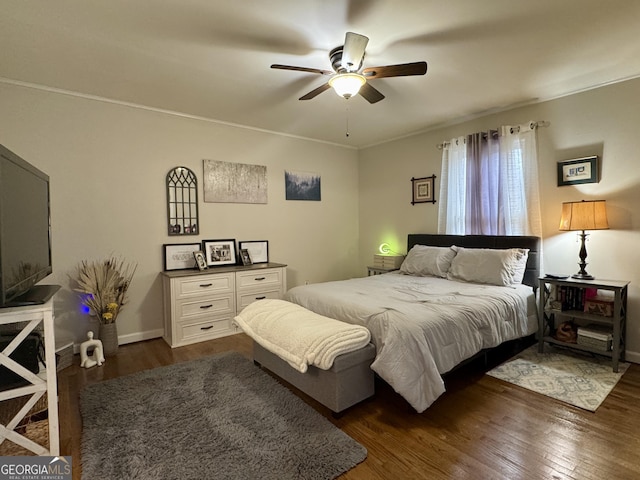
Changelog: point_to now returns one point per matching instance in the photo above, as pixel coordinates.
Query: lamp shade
(347, 84)
(584, 215)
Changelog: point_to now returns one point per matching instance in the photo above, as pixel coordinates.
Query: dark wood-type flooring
(481, 428)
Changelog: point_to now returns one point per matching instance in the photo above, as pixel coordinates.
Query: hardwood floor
(481, 428)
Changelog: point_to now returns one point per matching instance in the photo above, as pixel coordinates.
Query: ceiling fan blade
(400, 70)
(353, 51)
(370, 94)
(302, 69)
(315, 92)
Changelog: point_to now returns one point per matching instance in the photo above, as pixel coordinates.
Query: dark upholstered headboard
(532, 271)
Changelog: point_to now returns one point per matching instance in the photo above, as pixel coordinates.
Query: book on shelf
(566, 297)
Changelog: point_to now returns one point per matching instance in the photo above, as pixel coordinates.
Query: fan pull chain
(347, 121)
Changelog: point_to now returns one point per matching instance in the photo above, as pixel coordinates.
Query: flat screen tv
(25, 232)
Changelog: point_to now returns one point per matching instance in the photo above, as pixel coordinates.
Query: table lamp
(385, 249)
(583, 215)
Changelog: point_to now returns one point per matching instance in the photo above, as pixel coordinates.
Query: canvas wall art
(227, 182)
(302, 186)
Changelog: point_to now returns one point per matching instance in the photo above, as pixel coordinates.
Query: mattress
(423, 327)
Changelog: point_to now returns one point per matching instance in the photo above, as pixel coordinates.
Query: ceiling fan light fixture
(347, 84)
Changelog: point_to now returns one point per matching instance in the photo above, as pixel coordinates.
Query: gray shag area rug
(219, 417)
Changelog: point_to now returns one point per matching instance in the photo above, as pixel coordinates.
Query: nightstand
(387, 261)
(570, 295)
(380, 270)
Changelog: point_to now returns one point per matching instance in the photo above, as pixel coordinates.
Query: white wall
(108, 163)
(601, 122)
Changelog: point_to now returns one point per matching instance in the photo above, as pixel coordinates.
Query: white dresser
(201, 306)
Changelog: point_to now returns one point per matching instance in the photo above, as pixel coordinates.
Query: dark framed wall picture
(258, 250)
(179, 256)
(201, 261)
(245, 256)
(578, 171)
(302, 186)
(422, 190)
(219, 252)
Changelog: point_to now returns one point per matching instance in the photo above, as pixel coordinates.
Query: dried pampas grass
(104, 286)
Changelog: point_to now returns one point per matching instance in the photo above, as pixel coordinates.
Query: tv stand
(36, 295)
(38, 385)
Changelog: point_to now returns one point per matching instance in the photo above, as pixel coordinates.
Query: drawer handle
(206, 285)
(260, 278)
(206, 328)
(206, 306)
(261, 298)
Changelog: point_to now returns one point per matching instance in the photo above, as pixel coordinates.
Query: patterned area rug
(579, 379)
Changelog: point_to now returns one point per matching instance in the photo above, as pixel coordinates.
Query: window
(489, 183)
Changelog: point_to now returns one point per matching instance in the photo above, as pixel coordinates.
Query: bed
(440, 309)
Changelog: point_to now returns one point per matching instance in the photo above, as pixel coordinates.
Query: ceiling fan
(347, 79)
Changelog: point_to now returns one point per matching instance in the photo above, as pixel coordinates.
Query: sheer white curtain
(451, 216)
(489, 183)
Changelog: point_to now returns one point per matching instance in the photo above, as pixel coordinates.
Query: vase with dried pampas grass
(104, 285)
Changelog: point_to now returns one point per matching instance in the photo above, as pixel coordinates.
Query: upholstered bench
(349, 381)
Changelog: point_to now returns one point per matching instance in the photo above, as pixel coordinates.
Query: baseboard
(633, 357)
(140, 336)
(131, 338)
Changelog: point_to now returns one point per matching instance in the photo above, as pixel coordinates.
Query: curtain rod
(531, 125)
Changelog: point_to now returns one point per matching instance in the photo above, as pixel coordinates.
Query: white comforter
(423, 326)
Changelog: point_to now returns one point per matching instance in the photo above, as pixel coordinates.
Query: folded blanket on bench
(300, 336)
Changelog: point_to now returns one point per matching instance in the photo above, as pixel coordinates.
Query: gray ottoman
(349, 381)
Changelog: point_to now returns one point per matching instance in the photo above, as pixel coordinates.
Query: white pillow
(485, 265)
(423, 261)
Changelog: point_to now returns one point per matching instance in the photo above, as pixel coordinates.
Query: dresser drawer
(244, 299)
(216, 305)
(197, 331)
(260, 278)
(204, 285)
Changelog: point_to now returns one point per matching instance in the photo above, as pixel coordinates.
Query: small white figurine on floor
(96, 358)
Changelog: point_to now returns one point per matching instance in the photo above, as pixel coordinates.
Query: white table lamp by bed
(581, 216)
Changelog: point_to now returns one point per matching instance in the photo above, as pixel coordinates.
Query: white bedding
(422, 327)
(300, 336)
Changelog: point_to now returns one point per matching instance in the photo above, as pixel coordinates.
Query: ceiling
(211, 58)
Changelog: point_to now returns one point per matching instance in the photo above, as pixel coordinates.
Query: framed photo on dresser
(258, 250)
(201, 260)
(219, 252)
(245, 256)
(179, 256)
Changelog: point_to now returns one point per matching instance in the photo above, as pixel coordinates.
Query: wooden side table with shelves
(616, 323)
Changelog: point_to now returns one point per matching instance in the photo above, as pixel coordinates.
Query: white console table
(32, 315)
